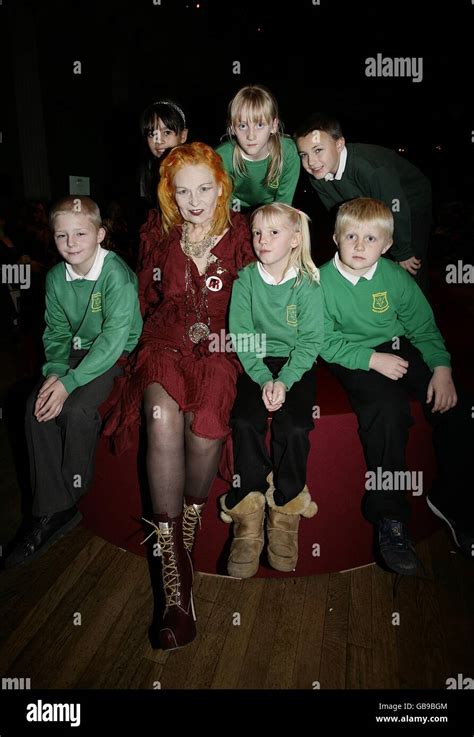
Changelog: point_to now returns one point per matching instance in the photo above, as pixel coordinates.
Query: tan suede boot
(247, 516)
(282, 528)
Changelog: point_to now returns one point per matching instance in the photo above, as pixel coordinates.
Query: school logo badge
(291, 315)
(96, 302)
(380, 302)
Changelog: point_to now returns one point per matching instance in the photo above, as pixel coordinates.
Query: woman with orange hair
(186, 385)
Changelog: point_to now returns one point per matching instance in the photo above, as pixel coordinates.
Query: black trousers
(383, 412)
(290, 428)
(62, 450)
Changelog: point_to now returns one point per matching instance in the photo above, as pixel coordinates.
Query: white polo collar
(340, 169)
(247, 158)
(269, 279)
(351, 277)
(95, 270)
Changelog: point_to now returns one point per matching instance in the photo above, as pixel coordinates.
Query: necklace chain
(196, 249)
(198, 330)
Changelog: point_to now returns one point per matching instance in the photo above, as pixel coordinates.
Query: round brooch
(214, 283)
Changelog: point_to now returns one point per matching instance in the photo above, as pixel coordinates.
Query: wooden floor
(356, 630)
(329, 631)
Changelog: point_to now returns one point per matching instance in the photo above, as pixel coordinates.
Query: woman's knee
(196, 442)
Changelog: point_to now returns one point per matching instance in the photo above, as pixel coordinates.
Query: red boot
(192, 511)
(178, 626)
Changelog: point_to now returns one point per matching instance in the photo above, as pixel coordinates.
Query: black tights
(178, 461)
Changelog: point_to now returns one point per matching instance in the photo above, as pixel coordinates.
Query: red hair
(193, 154)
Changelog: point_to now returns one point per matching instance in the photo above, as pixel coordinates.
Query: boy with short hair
(382, 342)
(341, 171)
(92, 319)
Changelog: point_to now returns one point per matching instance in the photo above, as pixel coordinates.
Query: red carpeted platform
(337, 538)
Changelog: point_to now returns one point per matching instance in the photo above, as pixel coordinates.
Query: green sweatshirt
(359, 317)
(287, 322)
(250, 190)
(102, 317)
(374, 171)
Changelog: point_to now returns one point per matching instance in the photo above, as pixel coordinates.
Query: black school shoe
(39, 534)
(463, 539)
(396, 548)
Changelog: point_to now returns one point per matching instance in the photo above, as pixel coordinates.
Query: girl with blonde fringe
(263, 163)
(276, 305)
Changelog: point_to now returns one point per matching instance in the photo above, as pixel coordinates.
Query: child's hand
(389, 365)
(279, 394)
(443, 389)
(267, 395)
(46, 384)
(273, 395)
(44, 392)
(50, 400)
(411, 265)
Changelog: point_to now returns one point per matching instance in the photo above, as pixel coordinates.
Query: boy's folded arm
(310, 336)
(120, 304)
(57, 336)
(241, 324)
(337, 349)
(385, 185)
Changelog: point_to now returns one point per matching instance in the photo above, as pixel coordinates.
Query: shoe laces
(171, 583)
(394, 532)
(38, 525)
(191, 519)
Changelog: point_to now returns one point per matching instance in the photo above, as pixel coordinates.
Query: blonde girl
(263, 163)
(277, 305)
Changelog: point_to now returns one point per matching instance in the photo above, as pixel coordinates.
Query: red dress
(199, 380)
(150, 237)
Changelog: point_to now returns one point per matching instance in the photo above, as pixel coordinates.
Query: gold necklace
(198, 248)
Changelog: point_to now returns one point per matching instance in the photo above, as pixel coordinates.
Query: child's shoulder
(327, 269)
(247, 272)
(306, 284)
(225, 150)
(369, 156)
(115, 265)
(390, 269)
(56, 275)
(289, 146)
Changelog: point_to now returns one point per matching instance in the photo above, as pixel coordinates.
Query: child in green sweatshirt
(263, 163)
(276, 322)
(382, 342)
(92, 319)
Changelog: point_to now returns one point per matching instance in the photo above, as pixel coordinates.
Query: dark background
(311, 56)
